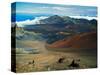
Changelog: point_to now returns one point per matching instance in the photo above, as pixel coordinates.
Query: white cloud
(84, 17)
(56, 8)
(59, 8)
(37, 20)
(30, 22)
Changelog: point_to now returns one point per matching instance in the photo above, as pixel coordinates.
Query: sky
(31, 13)
(55, 9)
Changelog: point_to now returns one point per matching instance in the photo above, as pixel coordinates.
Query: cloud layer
(30, 22)
(84, 17)
(37, 20)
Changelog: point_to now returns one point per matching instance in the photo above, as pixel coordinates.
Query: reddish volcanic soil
(84, 40)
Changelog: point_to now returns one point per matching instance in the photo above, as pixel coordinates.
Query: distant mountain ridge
(52, 20)
(57, 23)
(55, 19)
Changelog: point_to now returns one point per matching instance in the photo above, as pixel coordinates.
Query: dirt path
(47, 60)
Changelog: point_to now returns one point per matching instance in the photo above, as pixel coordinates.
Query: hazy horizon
(32, 10)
